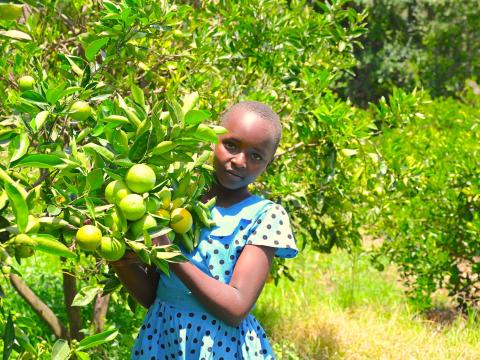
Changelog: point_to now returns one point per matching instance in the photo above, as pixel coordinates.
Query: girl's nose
(239, 160)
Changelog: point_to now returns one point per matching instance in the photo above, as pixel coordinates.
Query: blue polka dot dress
(177, 326)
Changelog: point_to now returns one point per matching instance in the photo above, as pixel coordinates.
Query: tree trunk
(73, 312)
(42, 310)
(100, 311)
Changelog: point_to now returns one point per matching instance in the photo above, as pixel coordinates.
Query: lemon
(112, 221)
(140, 178)
(80, 110)
(145, 223)
(111, 249)
(89, 237)
(26, 83)
(133, 207)
(184, 224)
(116, 191)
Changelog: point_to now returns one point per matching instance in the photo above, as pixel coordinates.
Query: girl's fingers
(161, 240)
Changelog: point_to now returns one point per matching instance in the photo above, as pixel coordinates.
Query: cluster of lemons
(128, 195)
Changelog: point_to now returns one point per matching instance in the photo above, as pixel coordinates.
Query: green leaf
(49, 244)
(94, 47)
(76, 69)
(97, 339)
(7, 179)
(194, 117)
(139, 147)
(23, 340)
(19, 205)
(33, 97)
(43, 161)
(138, 96)
(61, 350)
(175, 111)
(100, 150)
(81, 355)
(10, 11)
(189, 102)
(95, 179)
(349, 152)
(161, 264)
(18, 146)
(8, 338)
(37, 123)
(205, 133)
(86, 295)
(15, 34)
(54, 94)
(90, 207)
(120, 141)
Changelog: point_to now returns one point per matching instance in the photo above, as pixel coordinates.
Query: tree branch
(42, 310)
(73, 312)
(100, 311)
(296, 146)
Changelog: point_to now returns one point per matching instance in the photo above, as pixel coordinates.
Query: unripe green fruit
(111, 249)
(80, 110)
(26, 83)
(145, 223)
(140, 178)
(112, 221)
(24, 239)
(6, 269)
(133, 207)
(24, 251)
(89, 237)
(116, 191)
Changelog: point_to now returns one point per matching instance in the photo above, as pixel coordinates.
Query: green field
(343, 309)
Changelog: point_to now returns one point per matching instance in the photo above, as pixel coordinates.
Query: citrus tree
(67, 137)
(105, 145)
(427, 214)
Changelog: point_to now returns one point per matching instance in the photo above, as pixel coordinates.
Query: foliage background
(365, 152)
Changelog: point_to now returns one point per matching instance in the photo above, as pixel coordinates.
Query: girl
(202, 310)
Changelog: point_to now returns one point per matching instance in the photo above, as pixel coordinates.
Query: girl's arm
(230, 302)
(141, 281)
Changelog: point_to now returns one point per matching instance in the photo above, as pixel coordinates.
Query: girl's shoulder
(266, 223)
(248, 208)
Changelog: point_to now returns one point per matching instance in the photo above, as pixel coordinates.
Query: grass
(332, 312)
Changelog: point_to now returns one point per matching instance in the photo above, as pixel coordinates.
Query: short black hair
(262, 110)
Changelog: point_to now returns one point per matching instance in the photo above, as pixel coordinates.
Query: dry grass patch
(317, 317)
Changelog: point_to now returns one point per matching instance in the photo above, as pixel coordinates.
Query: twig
(43, 176)
(296, 146)
(100, 311)
(73, 312)
(42, 310)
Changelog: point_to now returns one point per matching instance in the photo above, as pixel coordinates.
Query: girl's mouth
(234, 174)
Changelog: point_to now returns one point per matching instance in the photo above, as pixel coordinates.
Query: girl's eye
(256, 157)
(229, 145)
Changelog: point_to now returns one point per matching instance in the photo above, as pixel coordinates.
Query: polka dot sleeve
(273, 229)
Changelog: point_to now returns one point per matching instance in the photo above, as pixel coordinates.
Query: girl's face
(245, 151)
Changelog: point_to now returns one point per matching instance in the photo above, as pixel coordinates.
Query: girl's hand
(129, 258)
(161, 240)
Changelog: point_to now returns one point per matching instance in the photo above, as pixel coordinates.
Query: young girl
(202, 310)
